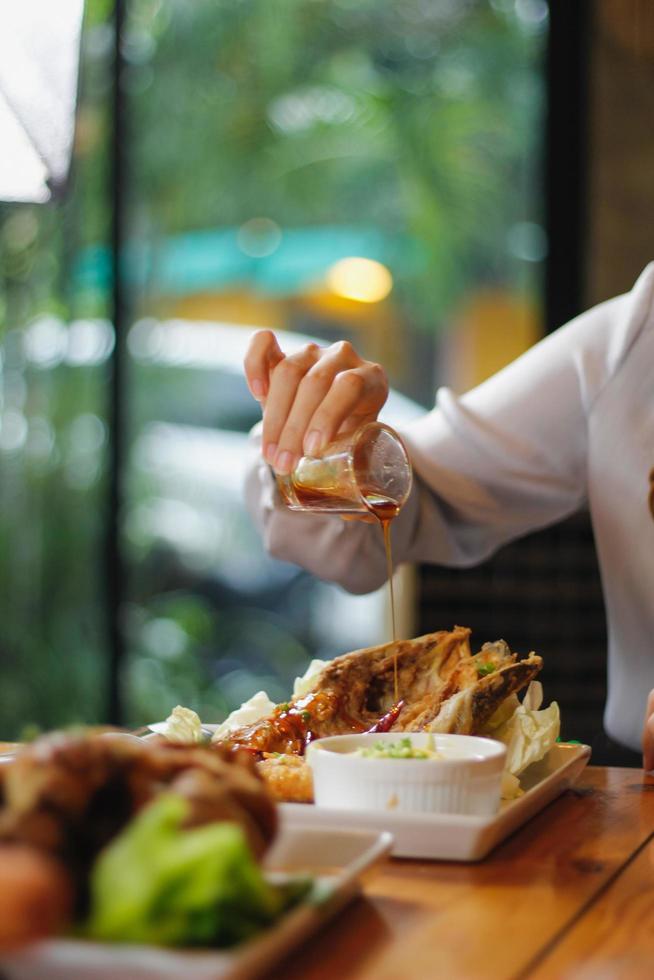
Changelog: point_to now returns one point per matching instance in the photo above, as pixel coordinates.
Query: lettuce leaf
(251, 711)
(303, 685)
(158, 883)
(183, 725)
(528, 733)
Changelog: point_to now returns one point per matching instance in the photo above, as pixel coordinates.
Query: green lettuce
(162, 884)
(183, 725)
(529, 733)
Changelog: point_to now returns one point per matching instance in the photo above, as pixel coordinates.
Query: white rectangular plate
(336, 860)
(455, 837)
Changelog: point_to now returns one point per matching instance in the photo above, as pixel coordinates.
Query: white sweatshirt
(568, 425)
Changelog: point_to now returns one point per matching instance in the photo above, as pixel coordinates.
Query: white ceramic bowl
(466, 780)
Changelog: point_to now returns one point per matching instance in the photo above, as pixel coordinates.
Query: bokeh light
(259, 237)
(364, 280)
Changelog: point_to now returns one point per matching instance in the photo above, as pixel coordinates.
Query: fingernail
(313, 442)
(258, 389)
(269, 452)
(284, 463)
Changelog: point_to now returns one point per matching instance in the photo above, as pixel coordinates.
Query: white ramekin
(466, 780)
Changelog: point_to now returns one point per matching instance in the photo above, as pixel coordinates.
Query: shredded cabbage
(529, 733)
(183, 725)
(251, 711)
(510, 788)
(303, 685)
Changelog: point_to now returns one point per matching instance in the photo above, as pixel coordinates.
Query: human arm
(481, 478)
(507, 458)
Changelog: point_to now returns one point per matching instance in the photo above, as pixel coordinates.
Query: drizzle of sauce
(385, 510)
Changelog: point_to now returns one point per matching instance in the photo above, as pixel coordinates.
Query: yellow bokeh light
(360, 279)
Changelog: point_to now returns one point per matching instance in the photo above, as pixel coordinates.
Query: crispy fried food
(470, 699)
(238, 799)
(287, 777)
(36, 897)
(443, 688)
(354, 691)
(68, 795)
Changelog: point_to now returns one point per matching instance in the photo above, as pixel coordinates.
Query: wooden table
(570, 896)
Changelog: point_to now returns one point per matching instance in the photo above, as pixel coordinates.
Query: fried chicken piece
(36, 896)
(68, 795)
(287, 777)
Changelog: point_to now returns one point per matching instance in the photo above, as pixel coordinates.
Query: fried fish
(443, 688)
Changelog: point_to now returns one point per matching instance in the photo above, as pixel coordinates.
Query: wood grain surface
(507, 916)
(614, 938)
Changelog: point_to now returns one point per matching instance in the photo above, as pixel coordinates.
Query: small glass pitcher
(366, 471)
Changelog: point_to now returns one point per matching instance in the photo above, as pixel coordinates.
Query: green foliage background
(422, 120)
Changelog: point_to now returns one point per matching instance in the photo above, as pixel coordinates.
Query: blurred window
(327, 168)
(55, 343)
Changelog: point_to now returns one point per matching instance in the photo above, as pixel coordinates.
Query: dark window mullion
(114, 563)
(566, 169)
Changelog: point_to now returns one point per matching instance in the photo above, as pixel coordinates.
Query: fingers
(355, 396)
(298, 433)
(262, 356)
(337, 392)
(285, 381)
(310, 396)
(648, 735)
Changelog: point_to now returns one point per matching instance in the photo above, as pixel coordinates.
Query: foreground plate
(455, 837)
(335, 858)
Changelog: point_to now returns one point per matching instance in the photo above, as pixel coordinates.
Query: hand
(648, 735)
(309, 397)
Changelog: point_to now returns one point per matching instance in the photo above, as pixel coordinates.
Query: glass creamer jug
(364, 472)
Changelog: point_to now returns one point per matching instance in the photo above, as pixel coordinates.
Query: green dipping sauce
(402, 749)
